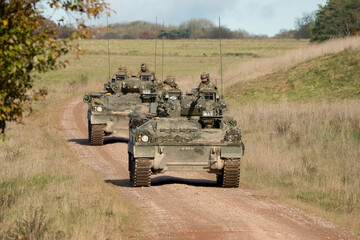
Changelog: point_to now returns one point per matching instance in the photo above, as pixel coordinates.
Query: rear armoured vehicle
(108, 111)
(185, 133)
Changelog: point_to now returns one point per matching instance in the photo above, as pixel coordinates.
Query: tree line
(192, 29)
(337, 18)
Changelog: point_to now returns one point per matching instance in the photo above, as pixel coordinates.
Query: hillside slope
(334, 76)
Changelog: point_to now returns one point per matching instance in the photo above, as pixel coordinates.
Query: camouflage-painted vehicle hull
(109, 114)
(105, 124)
(184, 146)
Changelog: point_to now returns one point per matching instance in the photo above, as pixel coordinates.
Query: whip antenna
(162, 57)
(108, 36)
(156, 41)
(221, 65)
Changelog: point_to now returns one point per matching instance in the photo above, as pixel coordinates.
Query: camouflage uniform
(123, 71)
(122, 68)
(169, 83)
(146, 72)
(206, 85)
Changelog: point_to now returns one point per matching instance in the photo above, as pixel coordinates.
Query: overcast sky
(254, 16)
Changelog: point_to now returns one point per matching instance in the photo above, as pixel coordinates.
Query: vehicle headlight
(230, 138)
(99, 108)
(145, 138)
(174, 98)
(208, 113)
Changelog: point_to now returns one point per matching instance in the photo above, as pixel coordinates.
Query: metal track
(231, 174)
(96, 134)
(140, 172)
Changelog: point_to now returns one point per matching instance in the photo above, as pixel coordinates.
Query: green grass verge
(336, 76)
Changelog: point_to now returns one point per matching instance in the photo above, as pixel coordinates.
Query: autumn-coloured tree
(28, 44)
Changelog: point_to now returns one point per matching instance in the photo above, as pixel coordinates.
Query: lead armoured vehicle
(108, 111)
(185, 133)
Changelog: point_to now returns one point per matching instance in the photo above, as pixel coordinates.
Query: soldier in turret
(122, 74)
(169, 83)
(205, 83)
(122, 68)
(144, 71)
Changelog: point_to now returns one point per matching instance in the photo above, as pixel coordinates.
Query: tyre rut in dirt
(140, 172)
(231, 174)
(96, 132)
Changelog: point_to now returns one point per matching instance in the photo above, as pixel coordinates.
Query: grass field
(46, 192)
(186, 59)
(303, 152)
(301, 127)
(307, 153)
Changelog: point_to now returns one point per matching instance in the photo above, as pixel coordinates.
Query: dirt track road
(189, 205)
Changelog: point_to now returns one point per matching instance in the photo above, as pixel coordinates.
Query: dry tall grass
(305, 151)
(46, 192)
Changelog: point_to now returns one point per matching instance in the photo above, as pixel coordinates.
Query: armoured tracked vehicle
(108, 111)
(185, 133)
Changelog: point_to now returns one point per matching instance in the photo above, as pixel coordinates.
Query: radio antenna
(221, 65)
(108, 36)
(162, 57)
(156, 41)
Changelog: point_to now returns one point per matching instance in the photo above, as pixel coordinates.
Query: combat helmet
(122, 68)
(205, 75)
(169, 80)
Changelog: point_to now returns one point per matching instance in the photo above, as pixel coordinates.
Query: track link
(96, 134)
(231, 174)
(140, 172)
